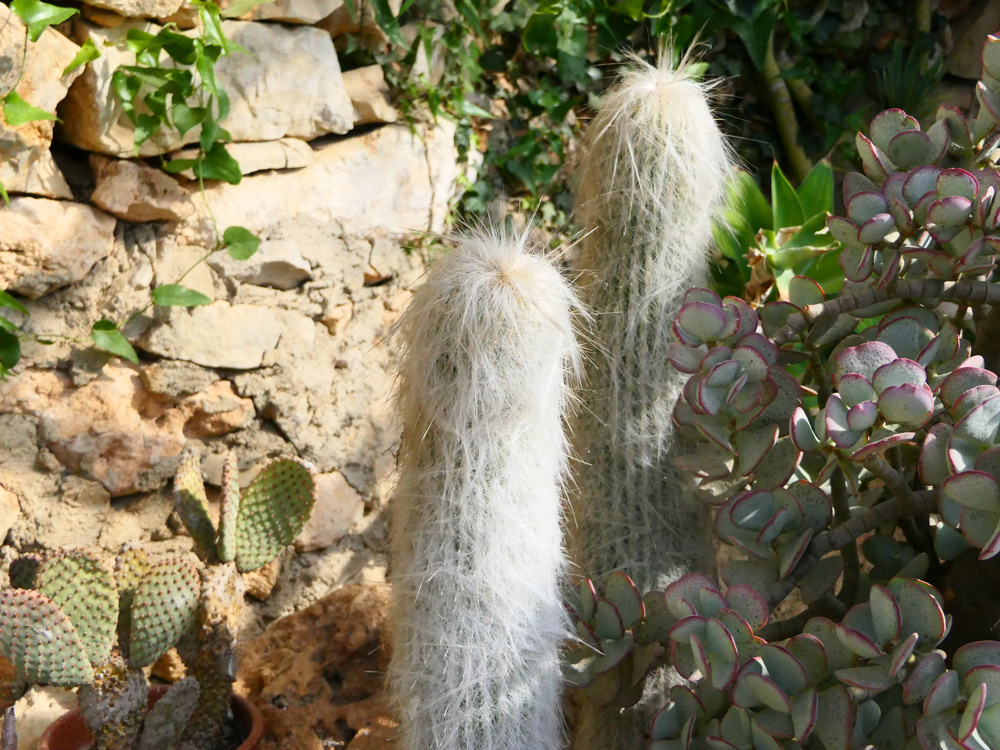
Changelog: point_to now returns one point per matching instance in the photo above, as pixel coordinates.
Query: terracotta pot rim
(69, 732)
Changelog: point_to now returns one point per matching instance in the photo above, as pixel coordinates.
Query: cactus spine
(652, 175)
(486, 343)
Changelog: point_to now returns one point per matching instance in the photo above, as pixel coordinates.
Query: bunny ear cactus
(487, 343)
(254, 527)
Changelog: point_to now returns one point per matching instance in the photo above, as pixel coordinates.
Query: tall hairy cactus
(651, 178)
(487, 344)
(652, 174)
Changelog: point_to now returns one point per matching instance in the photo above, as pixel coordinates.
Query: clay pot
(69, 732)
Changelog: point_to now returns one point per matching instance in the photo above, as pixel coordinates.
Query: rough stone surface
(369, 95)
(215, 411)
(338, 508)
(46, 244)
(277, 264)
(9, 509)
(316, 675)
(217, 335)
(399, 183)
(110, 430)
(286, 153)
(139, 8)
(38, 708)
(136, 192)
(26, 166)
(289, 85)
(297, 11)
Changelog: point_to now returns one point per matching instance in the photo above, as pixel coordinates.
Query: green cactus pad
(40, 640)
(83, 587)
(23, 570)
(162, 609)
(230, 509)
(273, 510)
(131, 565)
(192, 505)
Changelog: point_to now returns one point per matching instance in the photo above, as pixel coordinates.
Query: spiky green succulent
(255, 525)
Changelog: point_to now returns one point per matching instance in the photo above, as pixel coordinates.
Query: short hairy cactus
(74, 619)
(476, 541)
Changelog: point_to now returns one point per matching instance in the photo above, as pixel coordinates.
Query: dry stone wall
(289, 357)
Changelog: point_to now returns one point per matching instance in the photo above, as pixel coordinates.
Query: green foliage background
(521, 77)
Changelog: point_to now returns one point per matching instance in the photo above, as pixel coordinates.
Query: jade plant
(73, 618)
(849, 447)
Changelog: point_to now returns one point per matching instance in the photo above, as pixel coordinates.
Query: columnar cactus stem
(476, 539)
(651, 179)
(652, 176)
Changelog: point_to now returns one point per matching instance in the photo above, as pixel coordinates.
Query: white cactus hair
(487, 345)
(652, 177)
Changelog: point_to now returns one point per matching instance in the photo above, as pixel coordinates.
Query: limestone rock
(218, 335)
(46, 244)
(369, 95)
(259, 583)
(338, 508)
(175, 378)
(110, 430)
(389, 181)
(9, 509)
(216, 411)
(38, 708)
(277, 264)
(139, 8)
(289, 85)
(286, 153)
(317, 673)
(296, 11)
(136, 192)
(26, 166)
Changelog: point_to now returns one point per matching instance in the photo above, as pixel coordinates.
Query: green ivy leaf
(175, 166)
(186, 117)
(240, 242)
(87, 53)
(146, 126)
(7, 325)
(17, 112)
(756, 34)
(217, 164)
(105, 335)
(10, 349)
(38, 16)
(126, 87)
(7, 301)
(3, 194)
(388, 22)
(175, 295)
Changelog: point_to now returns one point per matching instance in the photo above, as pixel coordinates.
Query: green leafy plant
(848, 443)
(72, 619)
(763, 245)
